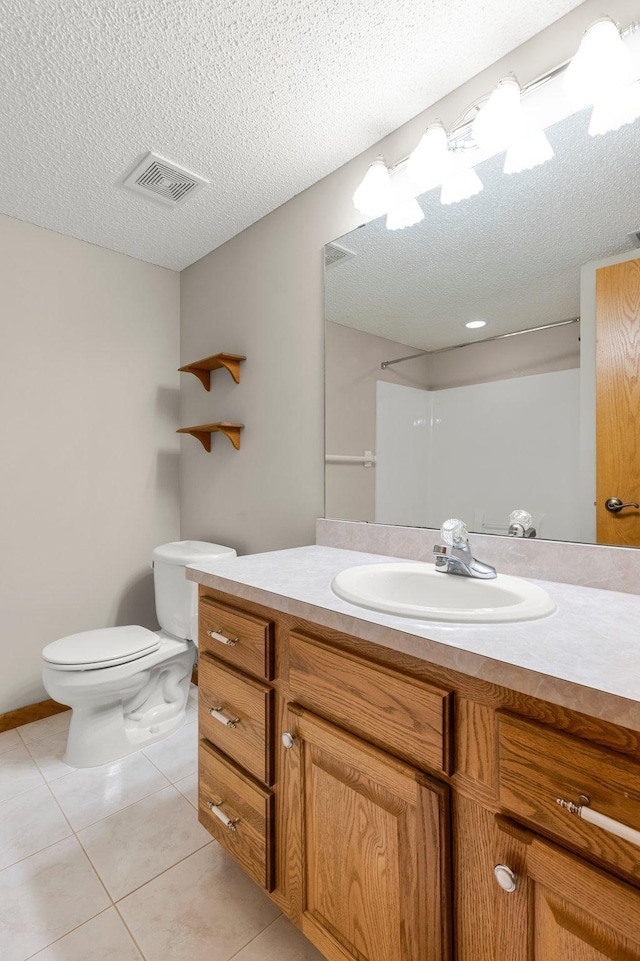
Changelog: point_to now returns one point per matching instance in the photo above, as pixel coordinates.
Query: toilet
(128, 686)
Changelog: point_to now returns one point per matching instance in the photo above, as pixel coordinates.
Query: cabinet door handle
(220, 715)
(216, 808)
(219, 636)
(601, 820)
(505, 877)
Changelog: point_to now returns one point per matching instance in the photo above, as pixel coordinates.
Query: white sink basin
(413, 589)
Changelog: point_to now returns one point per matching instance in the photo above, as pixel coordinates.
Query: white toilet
(128, 686)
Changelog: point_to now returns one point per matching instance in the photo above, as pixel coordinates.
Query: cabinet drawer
(537, 766)
(243, 823)
(405, 716)
(238, 638)
(243, 723)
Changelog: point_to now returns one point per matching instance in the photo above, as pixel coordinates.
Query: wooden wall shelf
(202, 368)
(203, 433)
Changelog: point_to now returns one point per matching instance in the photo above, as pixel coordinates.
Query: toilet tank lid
(190, 552)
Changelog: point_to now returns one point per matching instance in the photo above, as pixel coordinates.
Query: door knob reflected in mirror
(614, 505)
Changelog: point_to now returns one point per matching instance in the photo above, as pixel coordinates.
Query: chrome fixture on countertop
(520, 524)
(454, 556)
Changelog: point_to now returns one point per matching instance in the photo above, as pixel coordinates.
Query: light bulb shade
(405, 214)
(373, 196)
(405, 211)
(614, 111)
(463, 183)
(500, 122)
(430, 162)
(531, 151)
(602, 65)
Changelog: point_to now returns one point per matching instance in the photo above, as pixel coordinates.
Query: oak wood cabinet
(386, 803)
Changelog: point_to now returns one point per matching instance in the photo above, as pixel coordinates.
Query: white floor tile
(18, 773)
(89, 794)
(9, 740)
(104, 938)
(46, 896)
(176, 756)
(189, 787)
(280, 942)
(135, 845)
(45, 727)
(48, 753)
(29, 823)
(203, 909)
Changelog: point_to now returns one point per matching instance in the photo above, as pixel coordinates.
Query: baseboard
(32, 712)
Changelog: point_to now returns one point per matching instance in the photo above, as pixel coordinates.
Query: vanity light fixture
(431, 161)
(405, 211)
(602, 73)
(373, 196)
(501, 124)
(463, 183)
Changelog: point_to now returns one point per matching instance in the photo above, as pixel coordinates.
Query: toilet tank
(176, 597)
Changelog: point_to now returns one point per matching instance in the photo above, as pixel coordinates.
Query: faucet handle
(454, 533)
(523, 518)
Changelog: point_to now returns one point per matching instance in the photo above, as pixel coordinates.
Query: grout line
(160, 873)
(92, 918)
(255, 937)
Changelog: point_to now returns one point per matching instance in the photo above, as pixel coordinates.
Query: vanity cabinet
(561, 908)
(372, 837)
(396, 810)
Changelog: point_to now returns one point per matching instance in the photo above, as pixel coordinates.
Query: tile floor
(110, 863)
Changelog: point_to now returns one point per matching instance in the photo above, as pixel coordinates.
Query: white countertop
(586, 656)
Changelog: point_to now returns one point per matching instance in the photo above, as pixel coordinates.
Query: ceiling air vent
(335, 254)
(163, 181)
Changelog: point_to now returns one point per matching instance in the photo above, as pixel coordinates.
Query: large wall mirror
(479, 423)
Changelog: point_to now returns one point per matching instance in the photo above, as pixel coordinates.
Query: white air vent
(335, 254)
(161, 180)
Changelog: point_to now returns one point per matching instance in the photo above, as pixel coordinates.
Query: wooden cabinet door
(370, 836)
(618, 401)
(562, 909)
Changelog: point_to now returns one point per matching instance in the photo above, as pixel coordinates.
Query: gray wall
(261, 294)
(89, 470)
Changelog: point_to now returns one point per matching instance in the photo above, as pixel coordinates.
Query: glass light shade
(373, 196)
(405, 209)
(430, 162)
(602, 65)
(531, 151)
(405, 214)
(520, 517)
(614, 111)
(463, 183)
(500, 122)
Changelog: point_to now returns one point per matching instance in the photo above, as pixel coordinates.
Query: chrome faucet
(520, 524)
(455, 557)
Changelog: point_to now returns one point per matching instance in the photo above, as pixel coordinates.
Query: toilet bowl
(128, 686)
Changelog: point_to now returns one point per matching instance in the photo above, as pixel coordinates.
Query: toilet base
(119, 710)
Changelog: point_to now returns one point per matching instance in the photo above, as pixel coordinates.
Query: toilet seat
(104, 647)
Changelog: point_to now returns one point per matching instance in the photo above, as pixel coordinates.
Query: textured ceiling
(510, 255)
(262, 98)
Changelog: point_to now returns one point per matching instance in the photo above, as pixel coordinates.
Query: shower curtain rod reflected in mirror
(485, 340)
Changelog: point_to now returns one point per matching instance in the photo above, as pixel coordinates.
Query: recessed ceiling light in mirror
(474, 324)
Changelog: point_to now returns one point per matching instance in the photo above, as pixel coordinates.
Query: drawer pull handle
(505, 877)
(216, 808)
(219, 714)
(601, 820)
(219, 636)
